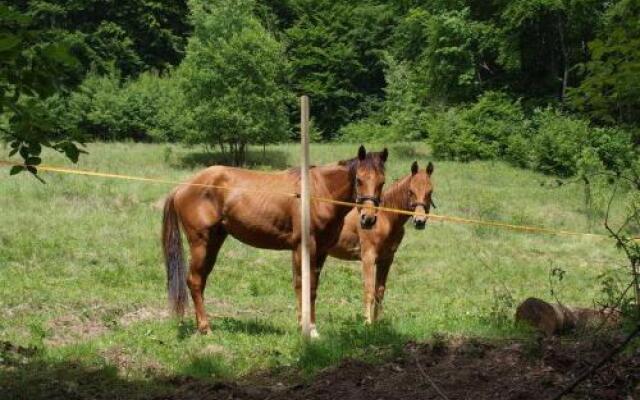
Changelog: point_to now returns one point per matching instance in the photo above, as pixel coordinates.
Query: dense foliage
(233, 78)
(547, 84)
(32, 68)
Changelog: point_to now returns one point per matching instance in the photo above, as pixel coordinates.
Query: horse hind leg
(205, 247)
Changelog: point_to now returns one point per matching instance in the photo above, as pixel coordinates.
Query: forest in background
(551, 85)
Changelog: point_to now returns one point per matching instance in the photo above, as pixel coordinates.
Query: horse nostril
(367, 221)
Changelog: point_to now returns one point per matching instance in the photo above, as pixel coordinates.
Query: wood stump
(551, 319)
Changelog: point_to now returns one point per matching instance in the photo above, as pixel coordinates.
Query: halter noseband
(361, 199)
(424, 205)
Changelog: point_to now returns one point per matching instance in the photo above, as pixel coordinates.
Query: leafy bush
(548, 141)
(108, 108)
(566, 145)
(367, 131)
(100, 109)
(164, 113)
(481, 131)
(558, 142)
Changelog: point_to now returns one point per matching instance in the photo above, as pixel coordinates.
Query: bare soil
(464, 370)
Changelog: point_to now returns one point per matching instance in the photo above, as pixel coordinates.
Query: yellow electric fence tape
(459, 220)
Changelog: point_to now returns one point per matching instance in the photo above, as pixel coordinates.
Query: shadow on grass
(352, 339)
(274, 159)
(39, 379)
(210, 375)
(247, 326)
(256, 327)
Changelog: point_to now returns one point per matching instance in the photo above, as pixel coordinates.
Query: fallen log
(552, 319)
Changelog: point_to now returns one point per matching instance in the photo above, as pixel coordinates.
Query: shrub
(549, 141)
(161, 101)
(108, 108)
(481, 131)
(367, 131)
(557, 142)
(563, 145)
(101, 108)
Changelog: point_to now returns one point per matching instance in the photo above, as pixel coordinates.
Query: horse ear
(362, 153)
(414, 168)
(384, 155)
(430, 168)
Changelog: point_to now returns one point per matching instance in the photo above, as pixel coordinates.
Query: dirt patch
(465, 370)
(71, 328)
(143, 314)
(125, 362)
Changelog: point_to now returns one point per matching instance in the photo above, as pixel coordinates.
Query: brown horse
(376, 247)
(250, 209)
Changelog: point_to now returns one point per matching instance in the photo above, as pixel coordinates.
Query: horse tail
(174, 257)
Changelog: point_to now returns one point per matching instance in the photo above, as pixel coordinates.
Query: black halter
(424, 205)
(375, 200)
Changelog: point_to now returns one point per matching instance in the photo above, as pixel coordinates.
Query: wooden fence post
(305, 220)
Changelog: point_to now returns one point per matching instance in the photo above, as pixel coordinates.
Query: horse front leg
(382, 271)
(369, 281)
(316, 269)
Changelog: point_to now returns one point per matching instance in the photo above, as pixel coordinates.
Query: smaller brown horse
(250, 206)
(376, 247)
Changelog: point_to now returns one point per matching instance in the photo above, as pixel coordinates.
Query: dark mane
(372, 160)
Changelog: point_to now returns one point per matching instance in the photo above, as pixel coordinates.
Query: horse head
(420, 194)
(369, 180)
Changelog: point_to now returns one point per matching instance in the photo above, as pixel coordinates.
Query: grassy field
(82, 285)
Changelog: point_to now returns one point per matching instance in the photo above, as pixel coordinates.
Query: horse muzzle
(419, 224)
(367, 221)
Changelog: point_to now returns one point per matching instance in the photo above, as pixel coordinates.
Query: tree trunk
(565, 59)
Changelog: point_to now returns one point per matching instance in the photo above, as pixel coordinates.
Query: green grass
(82, 278)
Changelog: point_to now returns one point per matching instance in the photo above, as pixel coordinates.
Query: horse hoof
(204, 331)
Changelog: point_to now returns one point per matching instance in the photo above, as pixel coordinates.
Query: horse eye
(359, 181)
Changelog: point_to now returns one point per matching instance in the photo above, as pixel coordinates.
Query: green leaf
(8, 42)
(16, 169)
(35, 148)
(33, 161)
(71, 151)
